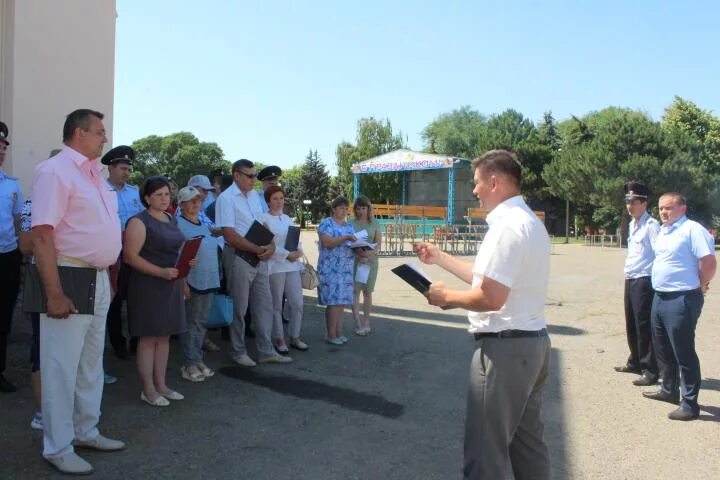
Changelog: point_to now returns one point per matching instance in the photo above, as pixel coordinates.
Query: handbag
(308, 275)
(221, 313)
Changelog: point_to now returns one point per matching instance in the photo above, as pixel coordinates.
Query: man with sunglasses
(236, 210)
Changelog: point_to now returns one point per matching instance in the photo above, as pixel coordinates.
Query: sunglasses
(248, 175)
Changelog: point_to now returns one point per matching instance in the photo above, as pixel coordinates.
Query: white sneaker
(71, 463)
(343, 339)
(36, 423)
(244, 360)
(276, 359)
(334, 341)
(101, 443)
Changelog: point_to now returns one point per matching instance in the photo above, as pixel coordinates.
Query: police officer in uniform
(119, 161)
(11, 203)
(642, 231)
(269, 176)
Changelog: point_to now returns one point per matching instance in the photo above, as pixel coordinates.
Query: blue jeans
(197, 312)
(674, 318)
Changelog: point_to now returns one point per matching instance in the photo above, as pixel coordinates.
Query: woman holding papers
(155, 302)
(284, 270)
(203, 281)
(366, 262)
(335, 268)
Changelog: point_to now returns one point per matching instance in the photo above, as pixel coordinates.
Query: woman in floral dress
(335, 268)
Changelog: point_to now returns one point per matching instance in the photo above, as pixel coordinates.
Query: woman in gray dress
(155, 301)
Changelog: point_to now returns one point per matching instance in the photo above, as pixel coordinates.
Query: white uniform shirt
(516, 253)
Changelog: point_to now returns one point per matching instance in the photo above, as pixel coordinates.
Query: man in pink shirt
(74, 223)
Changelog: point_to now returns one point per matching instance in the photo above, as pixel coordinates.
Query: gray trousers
(249, 287)
(504, 418)
(289, 284)
(197, 312)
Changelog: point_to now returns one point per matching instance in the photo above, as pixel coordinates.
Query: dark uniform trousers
(638, 305)
(9, 285)
(674, 318)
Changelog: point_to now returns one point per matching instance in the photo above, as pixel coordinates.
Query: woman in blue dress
(335, 268)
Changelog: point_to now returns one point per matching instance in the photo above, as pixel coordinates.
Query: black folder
(293, 238)
(415, 279)
(78, 284)
(260, 236)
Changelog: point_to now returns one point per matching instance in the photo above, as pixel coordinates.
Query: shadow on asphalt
(710, 384)
(554, 416)
(315, 390)
(714, 413)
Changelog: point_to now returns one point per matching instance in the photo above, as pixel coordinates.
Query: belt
(667, 295)
(79, 263)
(512, 334)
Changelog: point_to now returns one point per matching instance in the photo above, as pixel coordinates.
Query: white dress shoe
(160, 401)
(173, 395)
(244, 360)
(276, 359)
(72, 464)
(101, 443)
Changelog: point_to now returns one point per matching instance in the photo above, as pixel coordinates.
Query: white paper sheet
(362, 273)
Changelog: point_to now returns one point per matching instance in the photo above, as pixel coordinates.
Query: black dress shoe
(6, 386)
(626, 369)
(663, 397)
(646, 380)
(683, 413)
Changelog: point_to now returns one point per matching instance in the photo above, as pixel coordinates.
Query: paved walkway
(391, 405)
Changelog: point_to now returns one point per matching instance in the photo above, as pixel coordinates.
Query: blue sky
(270, 80)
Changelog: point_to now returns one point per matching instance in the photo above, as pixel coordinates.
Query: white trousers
(289, 284)
(71, 371)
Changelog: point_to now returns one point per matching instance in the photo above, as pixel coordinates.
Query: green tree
(374, 138)
(693, 131)
(314, 185)
(458, 133)
(292, 184)
(180, 155)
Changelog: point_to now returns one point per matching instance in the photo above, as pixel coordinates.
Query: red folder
(187, 252)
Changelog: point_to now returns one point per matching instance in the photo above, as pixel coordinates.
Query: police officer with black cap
(642, 232)
(119, 161)
(11, 203)
(269, 176)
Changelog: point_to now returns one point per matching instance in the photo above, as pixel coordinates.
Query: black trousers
(9, 285)
(114, 316)
(638, 305)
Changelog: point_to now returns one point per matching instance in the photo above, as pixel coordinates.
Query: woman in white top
(284, 270)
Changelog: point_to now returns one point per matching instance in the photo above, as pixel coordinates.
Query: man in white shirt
(235, 211)
(505, 304)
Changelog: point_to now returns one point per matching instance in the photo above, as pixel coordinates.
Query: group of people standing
(131, 238)
(668, 269)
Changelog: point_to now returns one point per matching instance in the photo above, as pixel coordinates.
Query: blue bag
(221, 313)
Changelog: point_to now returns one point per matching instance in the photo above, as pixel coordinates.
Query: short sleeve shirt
(236, 210)
(516, 253)
(11, 201)
(678, 249)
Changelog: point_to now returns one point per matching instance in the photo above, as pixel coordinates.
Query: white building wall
(55, 57)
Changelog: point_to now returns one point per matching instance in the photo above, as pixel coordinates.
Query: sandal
(206, 371)
(192, 374)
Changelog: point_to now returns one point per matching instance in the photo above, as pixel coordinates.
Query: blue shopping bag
(221, 314)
